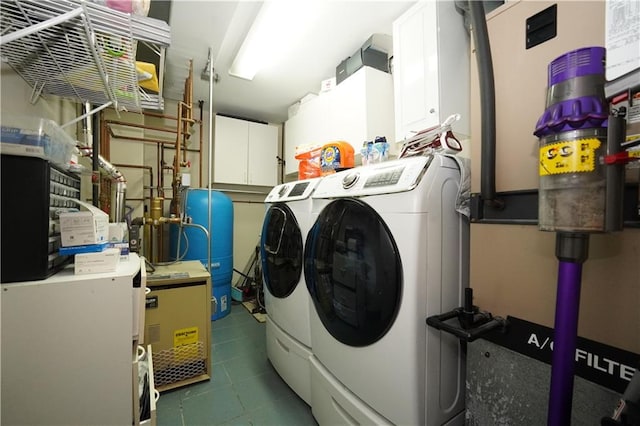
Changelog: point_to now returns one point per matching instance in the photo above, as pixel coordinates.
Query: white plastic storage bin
(36, 137)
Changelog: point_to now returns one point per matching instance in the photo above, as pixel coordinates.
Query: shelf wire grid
(89, 56)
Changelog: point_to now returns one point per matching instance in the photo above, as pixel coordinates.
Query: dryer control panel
(292, 191)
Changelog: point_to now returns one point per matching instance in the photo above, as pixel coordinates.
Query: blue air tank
(193, 243)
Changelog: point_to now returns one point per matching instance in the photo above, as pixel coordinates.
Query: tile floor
(244, 388)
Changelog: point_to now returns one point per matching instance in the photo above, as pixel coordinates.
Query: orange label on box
(569, 157)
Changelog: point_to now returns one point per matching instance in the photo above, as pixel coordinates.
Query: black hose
(487, 104)
(243, 274)
(95, 163)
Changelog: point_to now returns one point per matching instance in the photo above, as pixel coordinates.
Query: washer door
(353, 272)
(281, 250)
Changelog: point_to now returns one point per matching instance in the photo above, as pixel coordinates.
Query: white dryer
(387, 250)
(286, 223)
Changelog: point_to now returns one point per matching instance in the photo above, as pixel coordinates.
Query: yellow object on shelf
(147, 76)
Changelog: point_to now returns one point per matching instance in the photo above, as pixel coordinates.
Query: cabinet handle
(156, 395)
(141, 352)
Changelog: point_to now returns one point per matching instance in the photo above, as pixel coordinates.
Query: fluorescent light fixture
(277, 23)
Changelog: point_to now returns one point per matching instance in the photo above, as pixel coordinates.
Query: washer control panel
(387, 177)
(350, 179)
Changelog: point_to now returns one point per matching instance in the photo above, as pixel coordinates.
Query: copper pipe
(169, 145)
(160, 192)
(102, 145)
(184, 149)
(156, 209)
(139, 126)
(167, 199)
(176, 160)
(170, 220)
(149, 140)
(200, 105)
(105, 139)
(174, 208)
(168, 117)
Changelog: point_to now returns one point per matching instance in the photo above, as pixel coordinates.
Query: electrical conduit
(487, 104)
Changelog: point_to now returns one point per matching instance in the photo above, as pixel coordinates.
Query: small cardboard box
(96, 263)
(118, 232)
(88, 226)
(123, 247)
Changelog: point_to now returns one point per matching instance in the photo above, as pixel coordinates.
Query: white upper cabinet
(431, 68)
(356, 110)
(245, 152)
(308, 126)
(361, 108)
(262, 164)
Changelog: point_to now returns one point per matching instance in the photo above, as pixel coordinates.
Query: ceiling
(337, 30)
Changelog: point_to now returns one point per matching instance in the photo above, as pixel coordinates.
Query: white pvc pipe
(82, 117)
(209, 155)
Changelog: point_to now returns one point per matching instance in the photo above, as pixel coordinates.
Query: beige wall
(513, 268)
(248, 213)
(14, 99)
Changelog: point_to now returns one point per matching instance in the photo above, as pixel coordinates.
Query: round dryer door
(281, 250)
(353, 272)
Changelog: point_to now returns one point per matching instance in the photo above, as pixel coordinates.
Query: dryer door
(281, 250)
(353, 272)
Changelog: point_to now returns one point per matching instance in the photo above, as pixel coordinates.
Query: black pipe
(485, 325)
(614, 176)
(487, 104)
(95, 163)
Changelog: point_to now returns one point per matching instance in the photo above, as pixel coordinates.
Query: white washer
(387, 250)
(286, 223)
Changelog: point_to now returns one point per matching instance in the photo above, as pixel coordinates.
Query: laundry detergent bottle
(336, 156)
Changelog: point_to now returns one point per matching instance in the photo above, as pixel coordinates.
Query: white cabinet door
(431, 68)
(361, 108)
(347, 110)
(262, 164)
(230, 150)
(245, 152)
(293, 131)
(309, 126)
